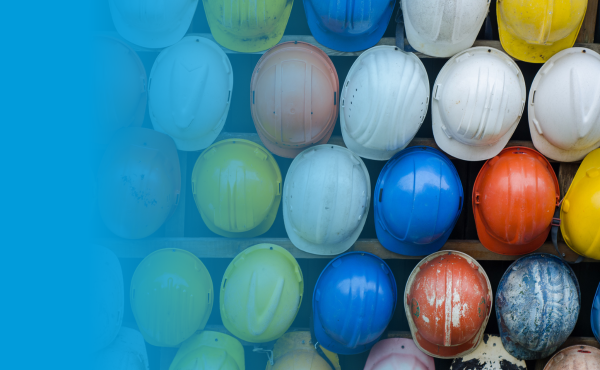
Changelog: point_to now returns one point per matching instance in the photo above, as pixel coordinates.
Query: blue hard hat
(595, 320)
(537, 305)
(353, 302)
(418, 198)
(348, 25)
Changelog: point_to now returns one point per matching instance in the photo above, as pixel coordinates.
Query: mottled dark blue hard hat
(537, 305)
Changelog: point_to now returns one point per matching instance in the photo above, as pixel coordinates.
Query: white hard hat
(564, 105)
(490, 354)
(127, 352)
(384, 102)
(152, 24)
(326, 199)
(189, 91)
(477, 102)
(107, 297)
(443, 28)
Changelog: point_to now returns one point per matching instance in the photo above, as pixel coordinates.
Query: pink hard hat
(396, 354)
(294, 96)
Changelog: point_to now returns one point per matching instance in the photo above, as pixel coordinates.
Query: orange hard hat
(448, 300)
(514, 198)
(294, 98)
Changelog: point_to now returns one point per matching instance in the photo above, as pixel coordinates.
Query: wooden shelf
(229, 248)
(311, 40)
(338, 140)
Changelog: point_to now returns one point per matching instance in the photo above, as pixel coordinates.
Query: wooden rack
(214, 247)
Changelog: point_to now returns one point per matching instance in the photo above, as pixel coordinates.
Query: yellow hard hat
(580, 210)
(261, 293)
(535, 30)
(247, 26)
(237, 188)
(171, 296)
(295, 351)
(209, 350)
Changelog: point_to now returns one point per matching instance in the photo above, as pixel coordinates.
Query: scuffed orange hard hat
(294, 98)
(514, 198)
(447, 300)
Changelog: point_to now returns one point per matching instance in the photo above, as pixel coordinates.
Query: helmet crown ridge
(258, 323)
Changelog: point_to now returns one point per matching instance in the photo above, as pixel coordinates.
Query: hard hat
(353, 302)
(139, 181)
(533, 31)
(448, 300)
(209, 350)
(580, 210)
(120, 87)
(595, 319)
(537, 305)
(327, 196)
(564, 105)
(171, 296)
(490, 354)
(247, 26)
(152, 24)
(293, 100)
(190, 92)
(514, 198)
(126, 352)
(237, 188)
(418, 198)
(398, 354)
(478, 99)
(106, 304)
(384, 102)
(575, 358)
(348, 25)
(261, 293)
(442, 29)
(295, 351)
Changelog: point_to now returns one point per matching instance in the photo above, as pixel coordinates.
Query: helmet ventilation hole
(224, 283)
(489, 50)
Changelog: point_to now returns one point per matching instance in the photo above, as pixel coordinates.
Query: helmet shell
(261, 293)
(107, 298)
(384, 102)
(190, 91)
(326, 199)
(418, 199)
(171, 296)
(440, 28)
(247, 26)
(564, 105)
(528, 328)
(575, 358)
(580, 210)
(293, 98)
(139, 182)
(209, 350)
(120, 87)
(348, 25)
(152, 24)
(126, 352)
(448, 300)
(478, 99)
(534, 31)
(353, 302)
(295, 351)
(490, 354)
(398, 353)
(595, 319)
(237, 188)
(514, 198)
